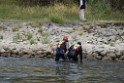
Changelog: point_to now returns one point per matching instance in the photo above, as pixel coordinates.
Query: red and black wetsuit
(78, 52)
(64, 47)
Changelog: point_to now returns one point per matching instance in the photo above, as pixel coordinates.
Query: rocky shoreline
(101, 41)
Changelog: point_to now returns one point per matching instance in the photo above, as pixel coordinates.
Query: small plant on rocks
(29, 36)
(35, 24)
(44, 34)
(74, 37)
(40, 31)
(71, 31)
(16, 29)
(1, 37)
(32, 41)
(2, 27)
(80, 33)
(45, 40)
(17, 37)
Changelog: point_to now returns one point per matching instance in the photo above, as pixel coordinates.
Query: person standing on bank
(62, 48)
(82, 9)
(74, 51)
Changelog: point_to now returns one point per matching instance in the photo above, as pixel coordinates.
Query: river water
(36, 70)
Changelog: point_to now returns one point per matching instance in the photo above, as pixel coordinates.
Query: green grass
(58, 13)
(102, 11)
(57, 19)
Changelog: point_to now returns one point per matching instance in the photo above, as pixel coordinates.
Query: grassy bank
(58, 13)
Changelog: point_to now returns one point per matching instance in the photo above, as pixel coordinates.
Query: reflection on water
(34, 70)
(69, 72)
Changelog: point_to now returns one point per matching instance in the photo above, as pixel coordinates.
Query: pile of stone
(99, 41)
(25, 50)
(104, 52)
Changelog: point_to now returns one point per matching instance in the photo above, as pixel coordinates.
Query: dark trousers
(74, 58)
(84, 5)
(58, 56)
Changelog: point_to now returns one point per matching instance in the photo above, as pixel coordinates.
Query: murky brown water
(34, 70)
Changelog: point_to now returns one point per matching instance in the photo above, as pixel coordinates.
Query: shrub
(44, 2)
(57, 19)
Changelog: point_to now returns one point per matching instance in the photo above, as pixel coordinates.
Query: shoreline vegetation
(59, 13)
(33, 31)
